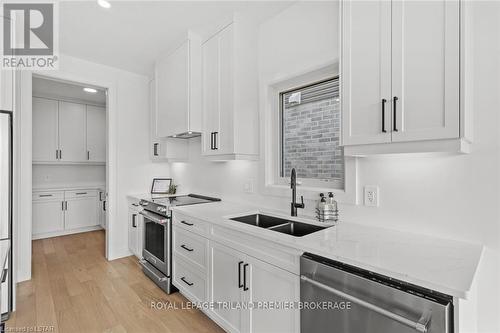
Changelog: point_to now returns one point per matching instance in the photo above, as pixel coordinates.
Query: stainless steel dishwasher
(338, 298)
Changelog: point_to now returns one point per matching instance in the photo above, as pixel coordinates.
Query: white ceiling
(131, 34)
(62, 90)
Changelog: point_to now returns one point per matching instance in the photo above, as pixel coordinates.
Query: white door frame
(23, 145)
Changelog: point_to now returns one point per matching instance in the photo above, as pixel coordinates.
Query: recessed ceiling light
(90, 90)
(104, 4)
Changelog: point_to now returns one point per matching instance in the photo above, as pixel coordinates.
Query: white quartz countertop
(443, 265)
(69, 187)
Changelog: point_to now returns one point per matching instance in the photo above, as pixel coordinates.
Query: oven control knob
(162, 209)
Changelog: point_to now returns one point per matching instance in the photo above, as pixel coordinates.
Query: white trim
(67, 232)
(269, 118)
(24, 146)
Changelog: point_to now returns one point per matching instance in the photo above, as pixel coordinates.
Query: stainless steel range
(157, 251)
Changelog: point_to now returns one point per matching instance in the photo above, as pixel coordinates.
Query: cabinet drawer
(190, 224)
(48, 195)
(80, 194)
(192, 247)
(191, 283)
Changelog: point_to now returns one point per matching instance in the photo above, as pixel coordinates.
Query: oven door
(157, 239)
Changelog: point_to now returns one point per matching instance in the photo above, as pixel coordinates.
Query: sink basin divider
(279, 225)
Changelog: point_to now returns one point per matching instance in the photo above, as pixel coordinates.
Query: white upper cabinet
(72, 132)
(230, 92)
(45, 130)
(425, 69)
(96, 133)
(68, 133)
(366, 80)
(400, 76)
(178, 85)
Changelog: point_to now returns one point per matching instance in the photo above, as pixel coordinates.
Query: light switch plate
(371, 196)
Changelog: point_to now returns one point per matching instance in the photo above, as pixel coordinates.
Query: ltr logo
(35, 29)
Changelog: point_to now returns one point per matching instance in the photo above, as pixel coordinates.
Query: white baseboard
(66, 232)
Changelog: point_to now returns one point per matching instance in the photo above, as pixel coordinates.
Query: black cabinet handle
(65, 205)
(45, 195)
(62, 205)
(383, 115)
(215, 140)
(240, 285)
(134, 223)
(155, 149)
(245, 288)
(187, 248)
(212, 140)
(81, 193)
(60, 154)
(88, 155)
(186, 282)
(4, 274)
(104, 205)
(186, 223)
(395, 126)
(57, 154)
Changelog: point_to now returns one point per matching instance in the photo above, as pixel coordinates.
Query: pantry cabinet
(45, 130)
(68, 133)
(96, 133)
(72, 133)
(408, 89)
(62, 212)
(230, 92)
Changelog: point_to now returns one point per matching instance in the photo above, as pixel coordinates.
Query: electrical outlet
(371, 196)
(248, 186)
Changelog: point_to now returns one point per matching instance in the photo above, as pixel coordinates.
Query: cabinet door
(224, 137)
(96, 133)
(81, 213)
(6, 89)
(173, 92)
(45, 130)
(225, 283)
(48, 216)
(270, 284)
(211, 68)
(72, 132)
(425, 72)
(133, 240)
(366, 72)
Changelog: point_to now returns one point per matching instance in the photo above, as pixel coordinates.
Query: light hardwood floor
(75, 289)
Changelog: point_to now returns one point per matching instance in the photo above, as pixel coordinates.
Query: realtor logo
(29, 35)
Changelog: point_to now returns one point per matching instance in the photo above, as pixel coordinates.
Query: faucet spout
(293, 185)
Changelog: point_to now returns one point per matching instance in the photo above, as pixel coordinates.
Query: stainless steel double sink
(285, 226)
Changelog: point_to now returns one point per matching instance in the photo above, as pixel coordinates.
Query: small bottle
(331, 202)
(332, 208)
(320, 208)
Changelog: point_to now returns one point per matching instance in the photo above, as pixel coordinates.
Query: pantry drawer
(192, 247)
(190, 223)
(48, 196)
(80, 194)
(191, 283)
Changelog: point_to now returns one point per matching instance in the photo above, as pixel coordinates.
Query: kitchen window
(310, 125)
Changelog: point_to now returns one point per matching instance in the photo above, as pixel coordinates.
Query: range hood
(186, 135)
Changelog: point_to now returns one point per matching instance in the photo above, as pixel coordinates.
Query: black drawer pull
(187, 248)
(383, 115)
(240, 285)
(45, 195)
(395, 125)
(245, 288)
(186, 223)
(4, 274)
(186, 282)
(81, 193)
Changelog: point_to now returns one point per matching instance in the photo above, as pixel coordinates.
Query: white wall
(45, 176)
(453, 196)
(128, 138)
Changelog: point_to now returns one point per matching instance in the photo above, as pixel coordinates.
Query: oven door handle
(420, 326)
(154, 217)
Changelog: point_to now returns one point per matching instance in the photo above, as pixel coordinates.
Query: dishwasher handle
(420, 326)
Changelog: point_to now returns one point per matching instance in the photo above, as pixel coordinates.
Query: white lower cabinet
(48, 216)
(135, 230)
(232, 279)
(57, 213)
